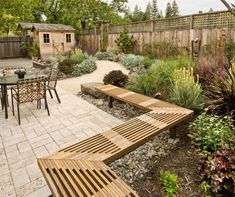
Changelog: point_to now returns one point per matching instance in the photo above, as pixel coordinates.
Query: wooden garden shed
(52, 39)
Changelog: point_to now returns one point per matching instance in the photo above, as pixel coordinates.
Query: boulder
(89, 89)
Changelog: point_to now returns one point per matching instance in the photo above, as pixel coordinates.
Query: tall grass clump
(144, 83)
(158, 78)
(164, 73)
(186, 90)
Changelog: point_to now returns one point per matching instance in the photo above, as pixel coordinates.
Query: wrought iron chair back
(52, 82)
(29, 90)
(52, 78)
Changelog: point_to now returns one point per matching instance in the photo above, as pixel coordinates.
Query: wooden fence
(10, 47)
(213, 27)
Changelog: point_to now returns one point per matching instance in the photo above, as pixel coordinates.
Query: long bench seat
(80, 169)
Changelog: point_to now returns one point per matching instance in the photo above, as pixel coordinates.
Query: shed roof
(46, 27)
(25, 25)
(52, 27)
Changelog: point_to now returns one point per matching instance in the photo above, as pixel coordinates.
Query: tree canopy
(59, 11)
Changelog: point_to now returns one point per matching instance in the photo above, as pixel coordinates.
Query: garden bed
(141, 168)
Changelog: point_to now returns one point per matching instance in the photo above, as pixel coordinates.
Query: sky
(185, 6)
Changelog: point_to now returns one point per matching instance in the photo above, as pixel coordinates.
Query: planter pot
(39, 65)
(20, 74)
(34, 58)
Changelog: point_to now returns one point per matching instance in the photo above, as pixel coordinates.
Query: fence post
(152, 34)
(191, 35)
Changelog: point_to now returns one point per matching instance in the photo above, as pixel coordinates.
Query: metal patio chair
(52, 82)
(28, 91)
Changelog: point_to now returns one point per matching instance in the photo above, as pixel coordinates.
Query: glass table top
(12, 80)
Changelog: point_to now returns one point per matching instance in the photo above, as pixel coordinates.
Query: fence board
(10, 47)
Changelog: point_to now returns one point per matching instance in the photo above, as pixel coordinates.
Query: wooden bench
(77, 169)
(138, 100)
(83, 178)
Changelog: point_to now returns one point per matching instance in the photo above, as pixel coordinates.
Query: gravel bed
(135, 165)
(119, 110)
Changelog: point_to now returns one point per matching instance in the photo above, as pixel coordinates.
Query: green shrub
(66, 66)
(130, 61)
(170, 182)
(107, 56)
(61, 58)
(113, 57)
(52, 59)
(112, 50)
(87, 66)
(186, 91)
(148, 62)
(212, 133)
(125, 42)
(79, 59)
(77, 52)
(116, 77)
(25, 49)
(35, 50)
(102, 55)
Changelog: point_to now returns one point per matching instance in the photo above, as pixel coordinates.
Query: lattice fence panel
(172, 23)
(214, 20)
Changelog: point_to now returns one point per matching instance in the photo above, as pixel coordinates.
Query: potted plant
(20, 74)
(35, 52)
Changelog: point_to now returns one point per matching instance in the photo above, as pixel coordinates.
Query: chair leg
(46, 107)
(50, 93)
(12, 104)
(18, 110)
(39, 104)
(2, 104)
(57, 96)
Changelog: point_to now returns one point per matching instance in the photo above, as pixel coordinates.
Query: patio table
(12, 80)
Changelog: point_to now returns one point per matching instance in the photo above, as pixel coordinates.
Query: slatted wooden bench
(83, 178)
(80, 169)
(138, 100)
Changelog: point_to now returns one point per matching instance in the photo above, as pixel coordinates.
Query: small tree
(8, 22)
(174, 9)
(125, 42)
(147, 13)
(154, 11)
(168, 10)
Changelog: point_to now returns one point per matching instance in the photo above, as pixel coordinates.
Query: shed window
(68, 37)
(46, 38)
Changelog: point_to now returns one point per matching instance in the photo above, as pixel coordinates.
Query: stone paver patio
(39, 135)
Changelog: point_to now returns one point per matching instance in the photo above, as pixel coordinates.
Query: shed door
(58, 44)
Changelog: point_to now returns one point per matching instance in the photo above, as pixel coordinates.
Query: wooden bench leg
(110, 101)
(173, 132)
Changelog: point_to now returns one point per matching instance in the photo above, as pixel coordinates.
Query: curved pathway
(73, 85)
